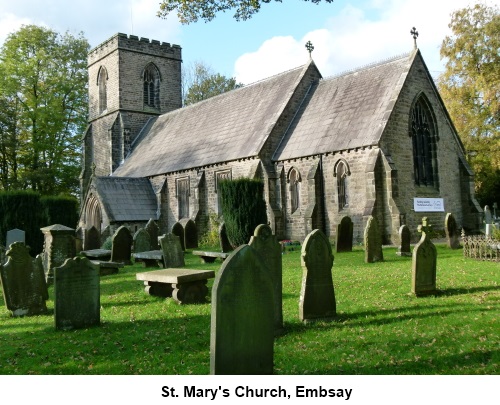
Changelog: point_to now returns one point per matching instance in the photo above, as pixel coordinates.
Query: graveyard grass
(380, 327)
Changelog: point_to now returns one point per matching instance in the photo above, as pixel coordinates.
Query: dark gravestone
(121, 249)
(173, 255)
(153, 231)
(373, 241)
(142, 241)
(77, 294)
(178, 230)
(343, 242)
(424, 263)
(59, 245)
(15, 235)
(242, 322)
(225, 245)
(79, 236)
(92, 239)
(404, 241)
(190, 233)
(105, 234)
(451, 230)
(23, 282)
(317, 297)
(269, 249)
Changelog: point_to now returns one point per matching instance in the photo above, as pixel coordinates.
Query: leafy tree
(470, 87)
(190, 11)
(43, 104)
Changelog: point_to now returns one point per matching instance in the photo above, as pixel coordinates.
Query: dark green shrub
(243, 208)
(61, 210)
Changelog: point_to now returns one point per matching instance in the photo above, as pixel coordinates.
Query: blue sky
(346, 34)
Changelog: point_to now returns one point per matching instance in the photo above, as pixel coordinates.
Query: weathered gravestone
(343, 239)
(121, 249)
(178, 230)
(317, 296)
(59, 245)
(424, 263)
(451, 230)
(23, 283)
(225, 245)
(153, 231)
(173, 255)
(373, 241)
(15, 235)
(142, 241)
(76, 294)
(404, 241)
(92, 239)
(269, 249)
(242, 321)
(190, 233)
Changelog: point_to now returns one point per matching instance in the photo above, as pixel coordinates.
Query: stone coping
(210, 254)
(175, 276)
(150, 254)
(97, 253)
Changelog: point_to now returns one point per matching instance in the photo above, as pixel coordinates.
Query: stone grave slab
(343, 239)
(451, 231)
(173, 254)
(404, 241)
(373, 241)
(121, 249)
(424, 263)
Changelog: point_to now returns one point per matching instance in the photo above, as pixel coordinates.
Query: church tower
(131, 80)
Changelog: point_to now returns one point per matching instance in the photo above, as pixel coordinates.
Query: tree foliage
(470, 87)
(189, 11)
(43, 106)
(202, 82)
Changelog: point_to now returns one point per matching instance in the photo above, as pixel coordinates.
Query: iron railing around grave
(481, 247)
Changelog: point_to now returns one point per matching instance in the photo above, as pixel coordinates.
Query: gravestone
(451, 230)
(76, 294)
(343, 239)
(59, 245)
(92, 239)
(15, 235)
(79, 239)
(142, 241)
(424, 263)
(373, 241)
(190, 233)
(173, 255)
(178, 230)
(23, 282)
(242, 319)
(153, 231)
(404, 241)
(317, 296)
(121, 248)
(269, 249)
(225, 245)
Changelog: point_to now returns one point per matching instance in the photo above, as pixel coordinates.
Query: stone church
(371, 141)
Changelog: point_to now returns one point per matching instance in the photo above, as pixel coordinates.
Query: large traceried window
(424, 141)
(183, 197)
(294, 180)
(102, 82)
(151, 79)
(341, 172)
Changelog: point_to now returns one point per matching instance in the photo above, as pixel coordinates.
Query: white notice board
(428, 204)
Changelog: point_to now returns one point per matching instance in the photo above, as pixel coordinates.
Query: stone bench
(209, 257)
(151, 258)
(186, 286)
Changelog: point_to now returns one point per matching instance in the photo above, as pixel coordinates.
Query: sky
(346, 34)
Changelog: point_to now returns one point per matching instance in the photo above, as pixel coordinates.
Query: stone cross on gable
(414, 33)
(425, 228)
(310, 48)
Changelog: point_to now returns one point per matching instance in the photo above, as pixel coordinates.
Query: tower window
(151, 77)
(102, 80)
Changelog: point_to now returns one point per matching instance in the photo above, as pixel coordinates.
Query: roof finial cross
(414, 32)
(310, 48)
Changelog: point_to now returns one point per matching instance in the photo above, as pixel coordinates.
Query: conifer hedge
(243, 207)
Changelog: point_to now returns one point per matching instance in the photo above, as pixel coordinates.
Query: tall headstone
(404, 241)
(424, 263)
(142, 241)
(153, 231)
(451, 230)
(76, 294)
(343, 239)
(23, 283)
(317, 296)
(173, 255)
(190, 233)
(15, 235)
(268, 248)
(92, 239)
(373, 241)
(225, 245)
(121, 249)
(242, 321)
(178, 230)
(59, 245)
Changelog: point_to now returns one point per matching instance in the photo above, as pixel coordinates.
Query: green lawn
(380, 329)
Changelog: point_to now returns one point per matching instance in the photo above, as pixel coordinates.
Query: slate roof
(227, 127)
(127, 199)
(346, 111)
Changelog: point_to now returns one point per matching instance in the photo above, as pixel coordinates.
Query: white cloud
(10, 23)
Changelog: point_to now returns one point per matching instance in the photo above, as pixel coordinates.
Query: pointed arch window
(424, 141)
(102, 83)
(294, 180)
(341, 172)
(151, 86)
(183, 197)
